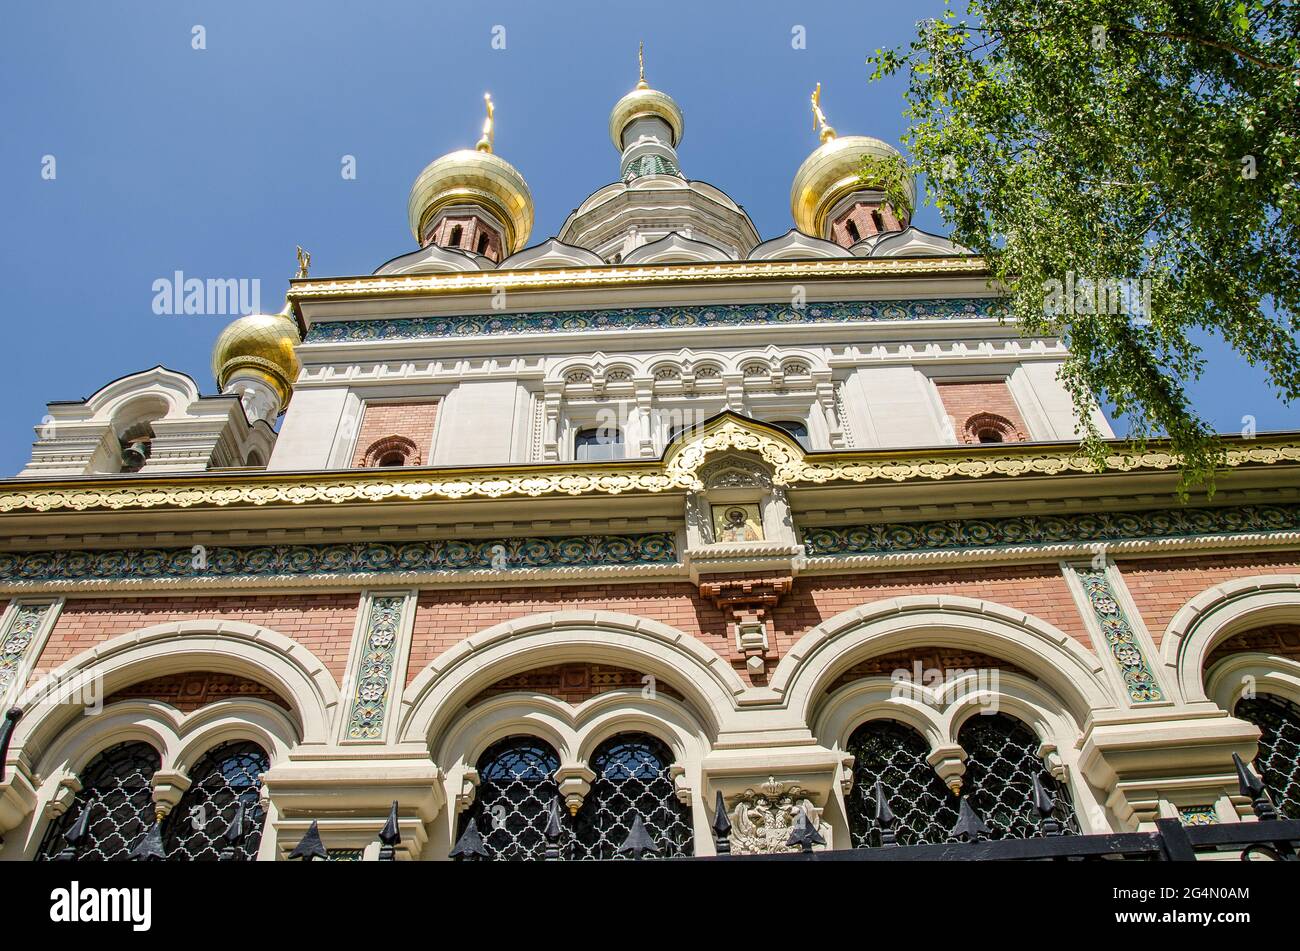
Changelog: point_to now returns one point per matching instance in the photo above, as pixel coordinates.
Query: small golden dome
(261, 344)
(474, 177)
(830, 173)
(640, 102)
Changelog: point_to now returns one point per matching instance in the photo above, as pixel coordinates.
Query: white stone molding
(1058, 660)
(222, 646)
(180, 739)
(434, 699)
(192, 432)
(1215, 615)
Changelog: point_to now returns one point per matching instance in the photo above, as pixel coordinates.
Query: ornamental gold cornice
(677, 472)
(469, 282)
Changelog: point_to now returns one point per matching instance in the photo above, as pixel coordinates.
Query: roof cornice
(675, 472)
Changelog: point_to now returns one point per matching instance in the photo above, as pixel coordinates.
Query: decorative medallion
(763, 818)
(375, 669)
(1138, 679)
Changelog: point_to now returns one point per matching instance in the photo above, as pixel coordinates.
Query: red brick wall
(444, 618)
(961, 401)
(414, 420)
(860, 214)
(1160, 586)
(320, 622)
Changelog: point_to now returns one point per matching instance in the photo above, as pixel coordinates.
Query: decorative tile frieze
(1120, 638)
(653, 318)
(1198, 815)
(20, 641)
(1029, 530)
(501, 554)
(375, 667)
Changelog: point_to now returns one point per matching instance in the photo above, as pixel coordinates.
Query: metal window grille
(516, 788)
(632, 779)
(894, 755)
(1278, 759)
(226, 775)
(115, 786)
(1001, 761)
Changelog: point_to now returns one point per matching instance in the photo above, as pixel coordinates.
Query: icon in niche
(737, 523)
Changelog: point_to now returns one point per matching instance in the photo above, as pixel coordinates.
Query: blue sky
(217, 162)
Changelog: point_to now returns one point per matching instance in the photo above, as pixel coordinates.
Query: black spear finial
(804, 834)
(970, 827)
(721, 826)
(310, 846)
(554, 826)
(234, 835)
(76, 835)
(884, 818)
(12, 716)
(1252, 787)
(149, 848)
(1045, 805)
(470, 847)
(390, 836)
(638, 841)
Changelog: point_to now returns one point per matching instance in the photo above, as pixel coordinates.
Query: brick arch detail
(979, 422)
(381, 447)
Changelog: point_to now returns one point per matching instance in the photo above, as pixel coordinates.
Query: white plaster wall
(309, 429)
(477, 424)
(1041, 395)
(891, 406)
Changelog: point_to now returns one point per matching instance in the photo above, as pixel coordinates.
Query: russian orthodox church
(517, 546)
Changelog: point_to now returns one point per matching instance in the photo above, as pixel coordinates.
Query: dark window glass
(115, 786)
(796, 429)
(1001, 761)
(895, 755)
(595, 445)
(632, 779)
(516, 787)
(1278, 761)
(226, 775)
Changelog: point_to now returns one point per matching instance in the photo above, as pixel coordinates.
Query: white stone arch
(1066, 668)
(1216, 614)
(180, 740)
(438, 694)
(1228, 680)
(222, 646)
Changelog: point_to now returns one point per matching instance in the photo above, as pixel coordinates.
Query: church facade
(647, 522)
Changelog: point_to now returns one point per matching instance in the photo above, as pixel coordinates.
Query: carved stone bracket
(575, 782)
(748, 601)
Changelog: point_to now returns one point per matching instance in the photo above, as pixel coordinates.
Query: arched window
(1001, 762)
(990, 428)
(515, 790)
(895, 755)
(795, 428)
(632, 779)
(596, 445)
(226, 775)
(852, 229)
(878, 221)
(1278, 759)
(456, 232)
(482, 244)
(115, 786)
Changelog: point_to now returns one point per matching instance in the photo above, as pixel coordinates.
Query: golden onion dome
(639, 103)
(830, 173)
(474, 177)
(263, 345)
